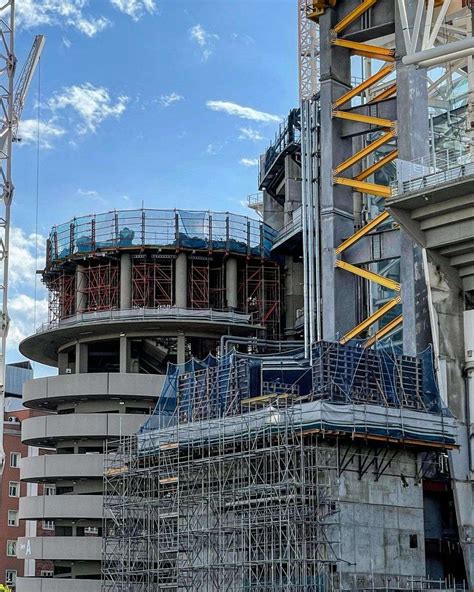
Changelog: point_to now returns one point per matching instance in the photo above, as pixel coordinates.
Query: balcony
(60, 548)
(48, 393)
(57, 585)
(52, 467)
(48, 429)
(55, 507)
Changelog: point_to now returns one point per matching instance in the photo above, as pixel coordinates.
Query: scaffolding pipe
(441, 53)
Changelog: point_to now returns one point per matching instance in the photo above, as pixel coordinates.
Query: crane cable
(38, 146)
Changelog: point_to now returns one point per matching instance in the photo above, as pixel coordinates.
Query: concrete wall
(379, 519)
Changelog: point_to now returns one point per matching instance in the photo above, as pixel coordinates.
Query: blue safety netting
(216, 387)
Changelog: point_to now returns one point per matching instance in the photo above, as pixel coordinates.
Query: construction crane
(11, 108)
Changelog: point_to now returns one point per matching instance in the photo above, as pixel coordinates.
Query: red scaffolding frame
(62, 296)
(100, 287)
(152, 283)
(198, 283)
(260, 295)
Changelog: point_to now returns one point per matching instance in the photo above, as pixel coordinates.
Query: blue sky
(162, 102)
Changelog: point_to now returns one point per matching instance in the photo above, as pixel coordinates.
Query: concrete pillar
(293, 291)
(125, 281)
(124, 354)
(81, 358)
(338, 288)
(292, 188)
(63, 362)
(181, 281)
(413, 143)
(231, 282)
(181, 348)
(80, 285)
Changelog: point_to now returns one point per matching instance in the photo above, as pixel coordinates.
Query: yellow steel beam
(389, 327)
(357, 90)
(353, 15)
(366, 50)
(360, 118)
(362, 232)
(369, 275)
(355, 158)
(388, 92)
(377, 165)
(364, 187)
(378, 314)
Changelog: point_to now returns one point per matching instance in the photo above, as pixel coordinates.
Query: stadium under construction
(281, 404)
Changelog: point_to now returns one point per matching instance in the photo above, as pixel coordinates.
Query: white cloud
(22, 256)
(66, 42)
(48, 132)
(204, 39)
(92, 104)
(212, 149)
(23, 317)
(242, 112)
(168, 100)
(248, 133)
(249, 162)
(135, 8)
(68, 13)
(90, 194)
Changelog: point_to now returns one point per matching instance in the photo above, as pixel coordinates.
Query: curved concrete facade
(60, 548)
(57, 585)
(118, 318)
(53, 507)
(40, 431)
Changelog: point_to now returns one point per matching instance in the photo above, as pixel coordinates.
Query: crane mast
(7, 77)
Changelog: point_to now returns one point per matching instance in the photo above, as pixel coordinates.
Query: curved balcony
(54, 507)
(60, 548)
(43, 346)
(48, 429)
(52, 467)
(57, 585)
(48, 393)
(165, 229)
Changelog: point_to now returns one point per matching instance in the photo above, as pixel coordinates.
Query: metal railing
(289, 133)
(160, 228)
(437, 168)
(295, 225)
(162, 313)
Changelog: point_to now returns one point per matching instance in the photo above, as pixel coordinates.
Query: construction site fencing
(160, 228)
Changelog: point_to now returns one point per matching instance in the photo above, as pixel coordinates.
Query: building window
(11, 548)
(15, 459)
(12, 518)
(49, 489)
(14, 489)
(47, 573)
(48, 524)
(10, 577)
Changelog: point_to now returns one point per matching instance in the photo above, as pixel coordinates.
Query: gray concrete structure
(112, 335)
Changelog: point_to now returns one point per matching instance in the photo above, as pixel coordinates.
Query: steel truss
(255, 512)
(152, 282)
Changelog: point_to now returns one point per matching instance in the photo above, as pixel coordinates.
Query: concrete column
(181, 281)
(80, 285)
(181, 348)
(124, 354)
(231, 282)
(413, 143)
(292, 188)
(63, 361)
(293, 291)
(338, 294)
(125, 281)
(81, 358)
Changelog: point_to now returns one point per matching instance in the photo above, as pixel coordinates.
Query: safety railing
(289, 133)
(295, 225)
(164, 313)
(437, 168)
(160, 228)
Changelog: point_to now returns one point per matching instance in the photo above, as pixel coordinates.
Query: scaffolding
(260, 295)
(62, 296)
(256, 512)
(234, 482)
(152, 281)
(99, 287)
